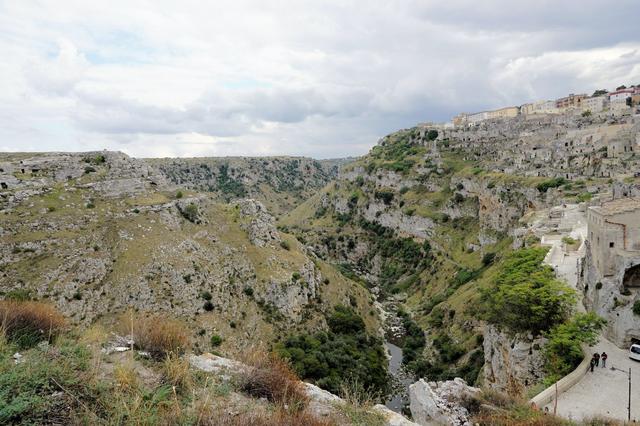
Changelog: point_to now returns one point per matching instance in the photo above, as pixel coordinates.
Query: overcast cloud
(316, 78)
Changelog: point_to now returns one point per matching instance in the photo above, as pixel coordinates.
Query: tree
(621, 87)
(432, 135)
(600, 92)
(526, 296)
(629, 101)
(586, 113)
(563, 351)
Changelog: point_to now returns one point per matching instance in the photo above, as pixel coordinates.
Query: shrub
(155, 334)
(179, 194)
(488, 259)
(344, 354)
(285, 245)
(385, 196)
(26, 323)
(345, 321)
(248, 291)
(563, 351)
(206, 295)
(190, 212)
(432, 135)
(598, 285)
(208, 306)
(216, 340)
(271, 377)
(526, 296)
(551, 183)
(636, 307)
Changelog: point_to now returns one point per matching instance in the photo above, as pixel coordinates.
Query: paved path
(603, 392)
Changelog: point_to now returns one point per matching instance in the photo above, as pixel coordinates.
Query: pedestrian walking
(604, 357)
(593, 363)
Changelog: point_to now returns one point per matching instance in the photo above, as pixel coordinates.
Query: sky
(323, 79)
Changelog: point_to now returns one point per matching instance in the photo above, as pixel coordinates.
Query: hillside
(280, 183)
(97, 234)
(426, 221)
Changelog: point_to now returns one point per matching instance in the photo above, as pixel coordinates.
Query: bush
(563, 351)
(206, 295)
(156, 334)
(345, 321)
(190, 212)
(208, 306)
(216, 340)
(285, 245)
(248, 291)
(271, 377)
(343, 355)
(488, 259)
(551, 183)
(526, 296)
(179, 194)
(432, 135)
(636, 307)
(385, 196)
(26, 323)
(598, 285)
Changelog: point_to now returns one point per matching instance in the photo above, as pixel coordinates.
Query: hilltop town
(617, 102)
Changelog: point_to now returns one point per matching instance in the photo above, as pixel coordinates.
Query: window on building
(611, 244)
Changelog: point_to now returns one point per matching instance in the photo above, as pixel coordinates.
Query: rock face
(279, 182)
(512, 363)
(439, 403)
(606, 297)
(261, 228)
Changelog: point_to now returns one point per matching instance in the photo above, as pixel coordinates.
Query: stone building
(609, 274)
(614, 235)
(571, 101)
(594, 103)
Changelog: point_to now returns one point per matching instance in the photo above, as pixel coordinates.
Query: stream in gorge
(398, 397)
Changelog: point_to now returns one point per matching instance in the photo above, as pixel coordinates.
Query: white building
(621, 95)
(595, 103)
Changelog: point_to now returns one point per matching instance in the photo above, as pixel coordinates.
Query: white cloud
(319, 78)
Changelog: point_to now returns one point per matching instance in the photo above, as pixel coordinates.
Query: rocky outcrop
(260, 225)
(321, 402)
(440, 403)
(512, 363)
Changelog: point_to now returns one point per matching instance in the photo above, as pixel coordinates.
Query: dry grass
(269, 376)
(494, 408)
(26, 322)
(126, 378)
(160, 336)
(176, 372)
(279, 417)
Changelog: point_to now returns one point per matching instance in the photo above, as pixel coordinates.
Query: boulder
(439, 403)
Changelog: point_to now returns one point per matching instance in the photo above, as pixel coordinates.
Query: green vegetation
(551, 183)
(563, 351)
(400, 256)
(342, 355)
(216, 340)
(190, 212)
(636, 307)
(526, 296)
(228, 185)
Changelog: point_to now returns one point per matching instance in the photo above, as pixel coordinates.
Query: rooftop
(621, 205)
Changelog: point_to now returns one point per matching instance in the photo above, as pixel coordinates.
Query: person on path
(593, 363)
(597, 358)
(604, 357)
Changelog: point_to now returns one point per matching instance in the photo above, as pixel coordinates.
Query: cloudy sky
(316, 78)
